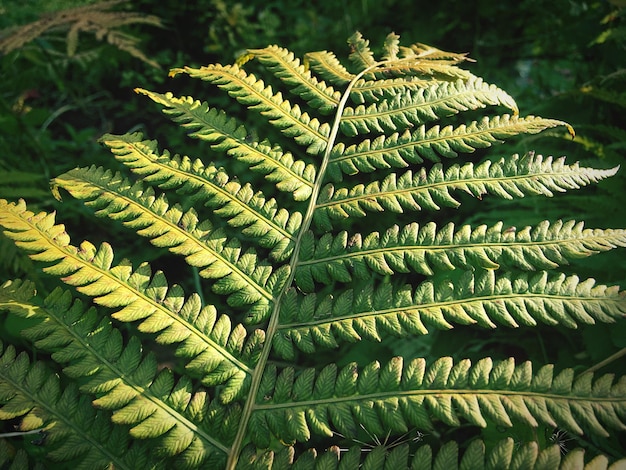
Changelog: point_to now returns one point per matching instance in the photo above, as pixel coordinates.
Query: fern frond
(125, 381)
(409, 109)
(485, 298)
(508, 178)
(398, 397)
(361, 55)
(239, 275)
(73, 429)
(255, 95)
(426, 250)
(141, 296)
(328, 67)
(306, 279)
(120, 199)
(282, 63)
(400, 150)
(415, 67)
(505, 454)
(99, 19)
(225, 135)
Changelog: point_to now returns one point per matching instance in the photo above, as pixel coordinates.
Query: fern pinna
(329, 233)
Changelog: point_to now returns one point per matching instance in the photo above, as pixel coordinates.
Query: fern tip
(173, 72)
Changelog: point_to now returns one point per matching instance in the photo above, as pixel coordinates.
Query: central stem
(273, 322)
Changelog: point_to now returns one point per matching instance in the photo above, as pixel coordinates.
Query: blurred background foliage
(65, 86)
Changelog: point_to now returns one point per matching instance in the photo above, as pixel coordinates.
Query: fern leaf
(125, 381)
(285, 66)
(371, 312)
(508, 178)
(260, 219)
(399, 397)
(237, 274)
(226, 135)
(415, 67)
(400, 150)
(255, 95)
(140, 295)
(73, 429)
(424, 250)
(369, 91)
(360, 53)
(503, 455)
(411, 109)
(328, 67)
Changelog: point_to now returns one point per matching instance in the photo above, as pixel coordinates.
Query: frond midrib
(437, 392)
(274, 320)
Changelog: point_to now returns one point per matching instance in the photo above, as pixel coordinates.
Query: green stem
(273, 323)
(608, 360)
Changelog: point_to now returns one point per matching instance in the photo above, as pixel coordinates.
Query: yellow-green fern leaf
(285, 66)
(411, 109)
(371, 312)
(253, 93)
(508, 178)
(401, 150)
(425, 250)
(137, 294)
(226, 135)
(114, 195)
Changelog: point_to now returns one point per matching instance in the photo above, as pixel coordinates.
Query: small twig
(608, 360)
(21, 433)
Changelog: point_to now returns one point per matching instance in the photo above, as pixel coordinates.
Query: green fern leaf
(125, 381)
(412, 395)
(328, 67)
(370, 91)
(485, 298)
(226, 135)
(140, 295)
(253, 93)
(505, 455)
(285, 66)
(399, 151)
(361, 55)
(424, 250)
(73, 429)
(408, 109)
(507, 178)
